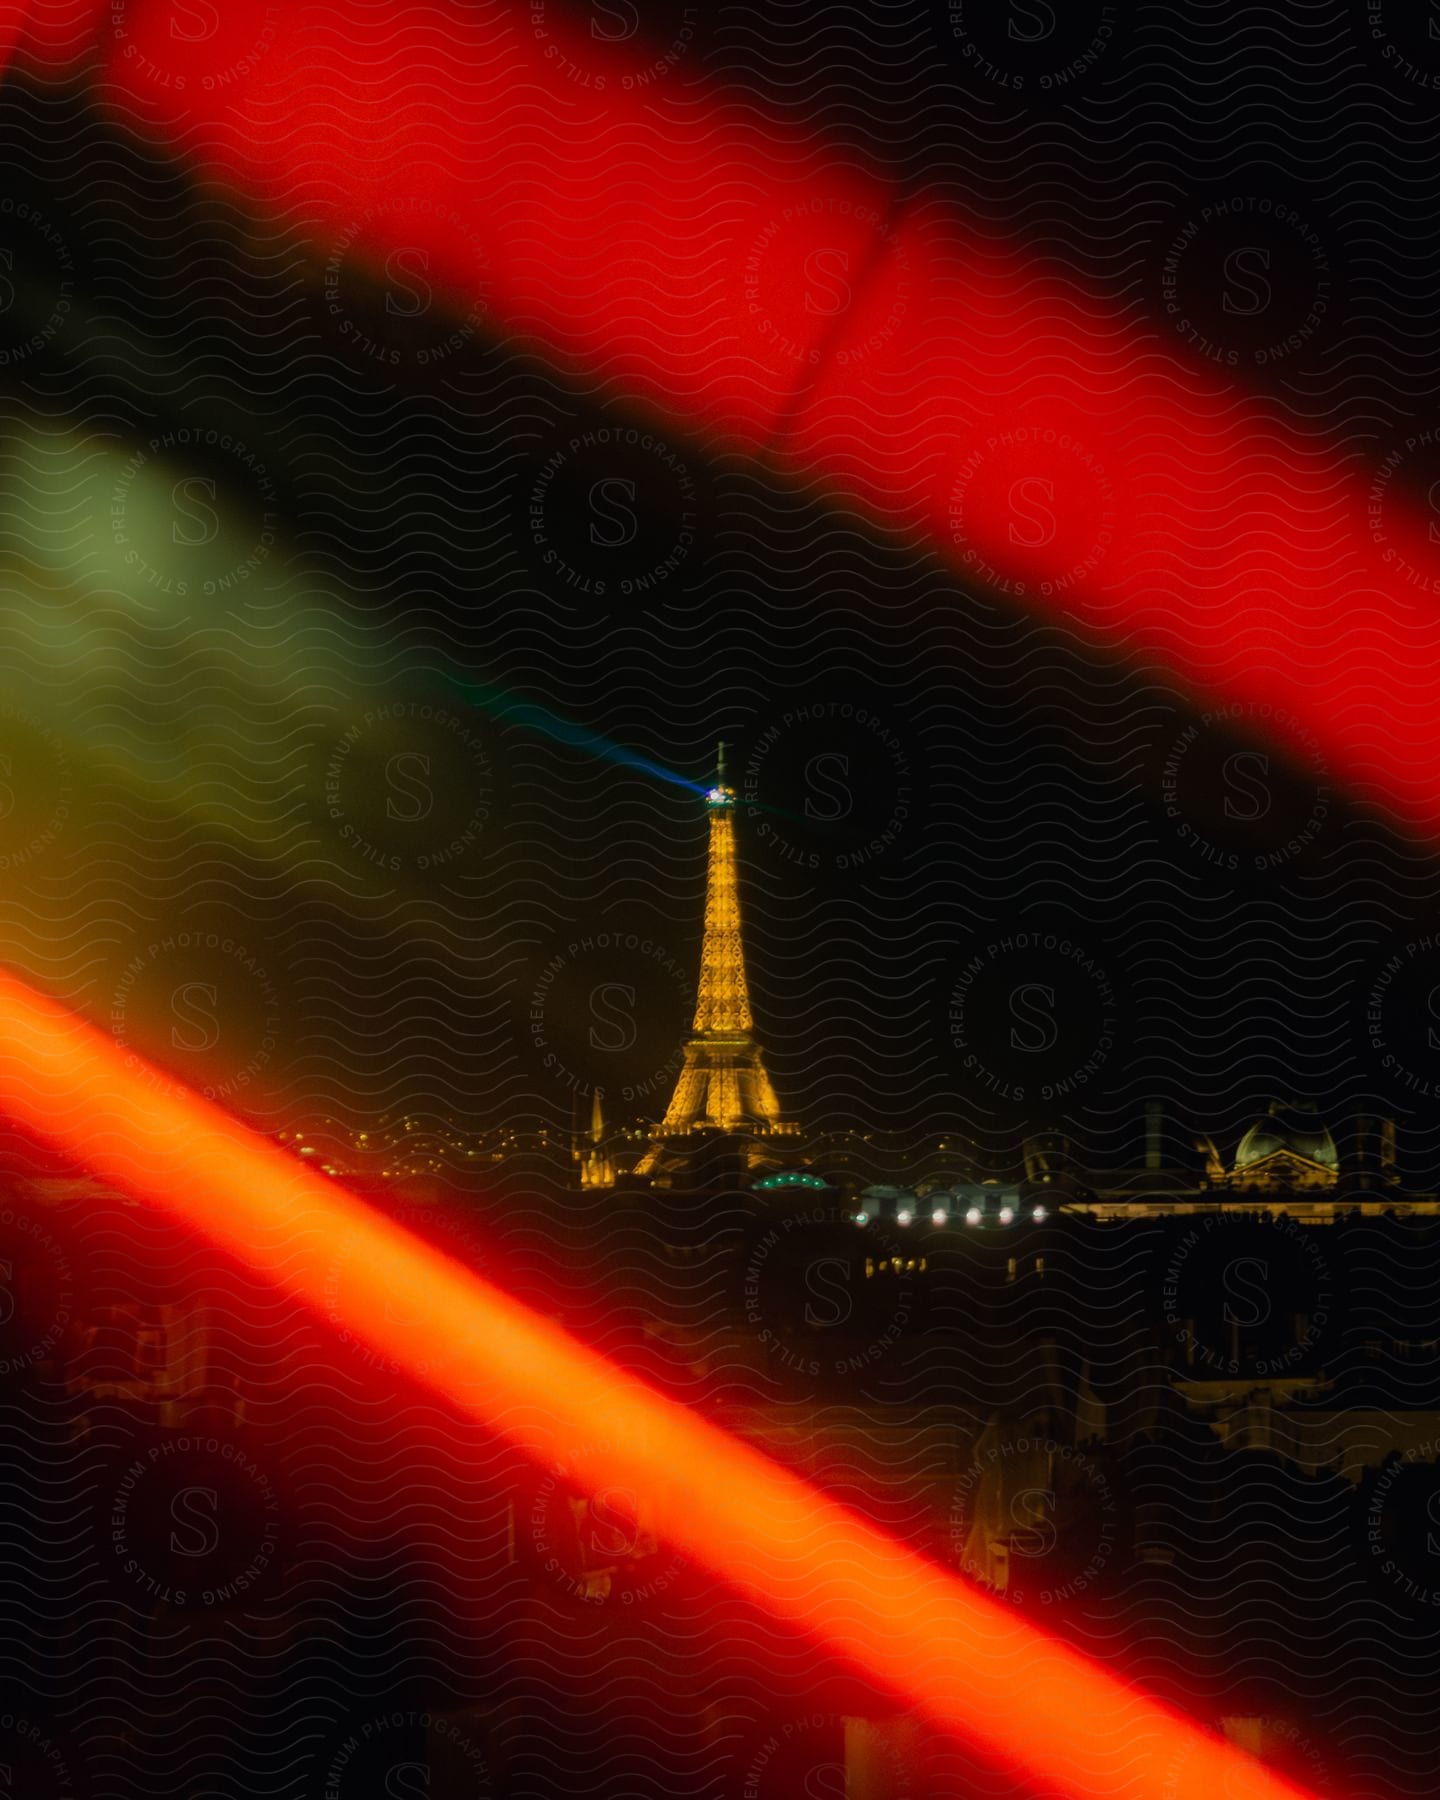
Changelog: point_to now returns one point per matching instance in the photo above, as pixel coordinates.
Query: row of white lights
(974, 1216)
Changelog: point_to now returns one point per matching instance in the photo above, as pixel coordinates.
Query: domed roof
(1288, 1128)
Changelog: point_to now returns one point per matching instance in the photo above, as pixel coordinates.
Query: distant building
(597, 1169)
(724, 1089)
(1286, 1163)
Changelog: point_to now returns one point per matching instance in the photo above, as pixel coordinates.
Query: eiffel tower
(723, 1085)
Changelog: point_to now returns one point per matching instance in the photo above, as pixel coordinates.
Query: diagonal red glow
(656, 235)
(966, 1661)
(656, 239)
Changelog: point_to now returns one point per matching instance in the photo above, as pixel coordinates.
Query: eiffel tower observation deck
(723, 1085)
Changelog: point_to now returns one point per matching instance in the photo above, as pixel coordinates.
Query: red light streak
(656, 237)
(624, 234)
(966, 1661)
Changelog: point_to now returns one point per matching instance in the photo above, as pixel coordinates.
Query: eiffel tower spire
(723, 1084)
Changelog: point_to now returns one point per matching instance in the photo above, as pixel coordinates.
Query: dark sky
(996, 877)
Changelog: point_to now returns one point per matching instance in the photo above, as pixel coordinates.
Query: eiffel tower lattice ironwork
(723, 1083)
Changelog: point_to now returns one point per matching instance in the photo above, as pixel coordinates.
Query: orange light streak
(966, 1661)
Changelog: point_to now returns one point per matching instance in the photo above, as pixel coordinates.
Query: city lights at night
(719, 812)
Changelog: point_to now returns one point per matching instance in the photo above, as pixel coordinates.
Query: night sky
(362, 668)
(380, 667)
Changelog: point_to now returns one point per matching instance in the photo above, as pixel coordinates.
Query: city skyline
(540, 1258)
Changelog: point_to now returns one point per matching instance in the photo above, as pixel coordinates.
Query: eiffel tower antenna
(723, 1084)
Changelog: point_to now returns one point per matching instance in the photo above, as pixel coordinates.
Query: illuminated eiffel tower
(723, 1084)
